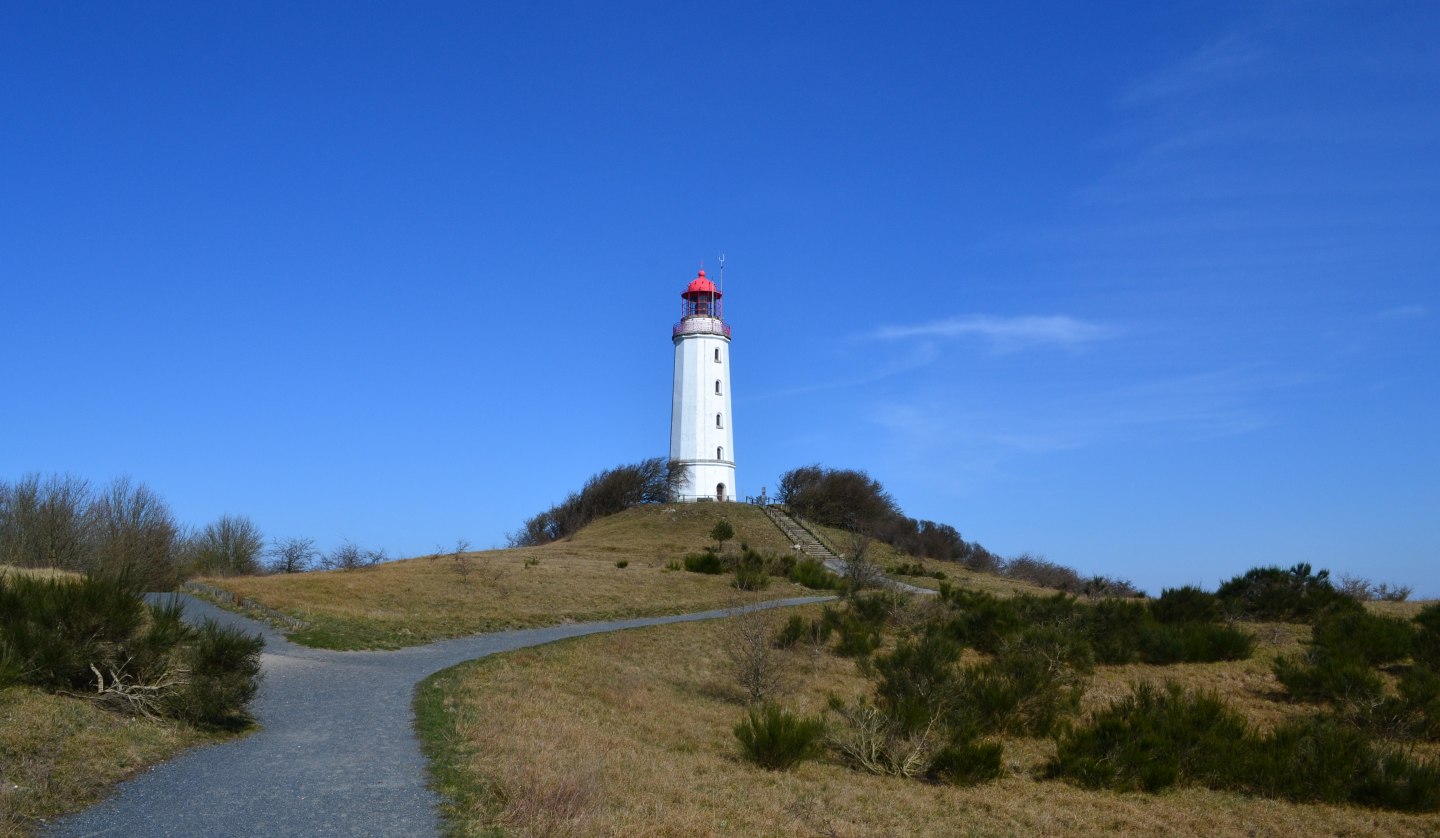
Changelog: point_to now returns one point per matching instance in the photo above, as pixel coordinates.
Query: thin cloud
(1005, 334)
(1226, 61)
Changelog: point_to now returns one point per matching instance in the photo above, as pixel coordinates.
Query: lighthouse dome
(700, 286)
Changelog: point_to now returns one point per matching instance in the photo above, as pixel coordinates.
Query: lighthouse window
(719, 453)
(718, 424)
(717, 354)
(717, 386)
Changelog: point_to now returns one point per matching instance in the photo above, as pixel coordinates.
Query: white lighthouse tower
(702, 432)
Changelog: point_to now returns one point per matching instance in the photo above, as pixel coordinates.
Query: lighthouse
(702, 430)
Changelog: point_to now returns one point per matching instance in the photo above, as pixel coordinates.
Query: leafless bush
(46, 522)
(229, 546)
(135, 533)
(1037, 570)
(1364, 590)
(748, 641)
(461, 561)
(861, 571)
(129, 695)
(349, 556)
(292, 555)
(871, 741)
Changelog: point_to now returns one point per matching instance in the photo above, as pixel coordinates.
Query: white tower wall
(696, 439)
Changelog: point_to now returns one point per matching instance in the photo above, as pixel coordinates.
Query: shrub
(1363, 636)
(750, 571)
(1319, 759)
(858, 636)
(915, 681)
(229, 546)
(797, 629)
(1151, 740)
(1195, 643)
(1115, 628)
(96, 636)
(1316, 676)
(812, 574)
(776, 739)
(1188, 604)
(1426, 641)
(224, 665)
(649, 481)
(622, 564)
(1270, 593)
(967, 763)
(1029, 687)
(708, 563)
(722, 532)
(1158, 738)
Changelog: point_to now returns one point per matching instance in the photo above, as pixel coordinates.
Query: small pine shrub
(750, 571)
(708, 563)
(1271, 593)
(914, 681)
(1195, 643)
(1318, 677)
(776, 739)
(622, 564)
(797, 630)
(1115, 628)
(1320, 759)
(1187, 604)
(967, 763)
(1028, 689)
(224, 666)
(1426, 642)
(1151, 740)
(1363, 636)
(857, 637)
(812, 574)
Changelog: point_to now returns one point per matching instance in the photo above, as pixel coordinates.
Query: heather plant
(777, 739)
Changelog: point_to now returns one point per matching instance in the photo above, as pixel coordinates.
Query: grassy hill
(416, 601)
(660, 704)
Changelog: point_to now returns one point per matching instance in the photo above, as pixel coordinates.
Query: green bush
(1270, 593)
(224, 665)
(1151, 740)
(1157, 738)
(915, 680)
(776, 739)
(1320, 759)
(1187, 604)
(622, 564)
(1115, 629)
(1195, 643)
(967, 763)
(66, 635)
(1029, 688)
(812, 574)
(709, 563)
(1316, 676)
(750, 571)
(1427, 637)
(1362, 636)
(798, 629)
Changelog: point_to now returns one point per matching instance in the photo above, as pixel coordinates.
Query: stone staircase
(804, 540)
(808, 544)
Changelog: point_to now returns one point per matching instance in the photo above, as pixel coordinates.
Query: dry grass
(630, 734)
(38, 572)
(418, 600)
(60, 754)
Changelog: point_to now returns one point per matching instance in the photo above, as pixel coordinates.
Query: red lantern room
(700, 299)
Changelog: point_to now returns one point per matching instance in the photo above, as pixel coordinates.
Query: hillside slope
(415, 601)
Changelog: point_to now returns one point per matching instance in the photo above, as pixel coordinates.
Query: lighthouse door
(720, 492)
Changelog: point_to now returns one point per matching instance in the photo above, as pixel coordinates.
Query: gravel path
(336, 753)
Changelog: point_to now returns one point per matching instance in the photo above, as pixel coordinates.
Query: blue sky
(1150, 289)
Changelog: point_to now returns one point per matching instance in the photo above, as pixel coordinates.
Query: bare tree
(350, 556)
(229, 546)
(749, 643)
(861, 571)
(46, 522)
(292, 555)
(462, 560)
(135, 533)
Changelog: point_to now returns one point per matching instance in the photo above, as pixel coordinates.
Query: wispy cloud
(1227, 60)
(1004, 334)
